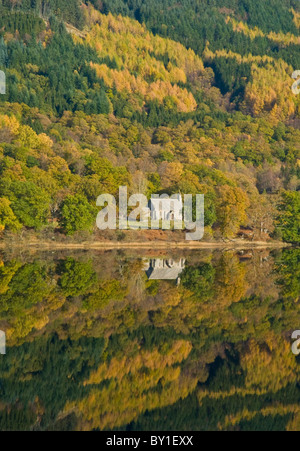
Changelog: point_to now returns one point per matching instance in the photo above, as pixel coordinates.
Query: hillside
(183, 97)
(126, 330)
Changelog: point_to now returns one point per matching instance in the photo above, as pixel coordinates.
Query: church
(166, 208)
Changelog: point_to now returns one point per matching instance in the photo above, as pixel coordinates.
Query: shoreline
(98, 245)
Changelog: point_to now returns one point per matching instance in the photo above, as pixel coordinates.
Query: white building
(2, 342)
(166, 208)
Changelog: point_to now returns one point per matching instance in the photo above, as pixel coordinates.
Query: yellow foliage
(137, 375)
(270, 90)
(45, 141)
(296, 18)
(28, 137)
(270, 367)
(9, 122)
(280, 410)
(137, 51)
(280, 38)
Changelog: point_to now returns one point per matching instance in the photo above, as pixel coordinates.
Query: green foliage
(59, 365)
(36, 76)
(288, 269)
(68, 11)
(70, 130)
(29, 286)
(29, 203)
(200, 281)
(205, 348)
(289, 218)
(107, 291)
(93, 344)
(77, 215)
(8, 219)
(194, 24)
(76, 278)
(23, 23)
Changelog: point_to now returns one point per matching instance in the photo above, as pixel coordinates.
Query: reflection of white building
(164, 269)
(166, 208)
(2, 342)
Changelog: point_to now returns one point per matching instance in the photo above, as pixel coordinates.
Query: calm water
(150, 341)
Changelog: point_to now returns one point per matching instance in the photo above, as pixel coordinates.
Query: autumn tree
(232, 203)
(77, 215)
(30, 204)
(8, 219)
(261, 215)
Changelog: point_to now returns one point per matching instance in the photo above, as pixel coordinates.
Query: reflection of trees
(148, 380)
(230, 284)
(287, 268)
(76, 278)
(156, 341)
(136, 281)
(200, 280)
(259, 274)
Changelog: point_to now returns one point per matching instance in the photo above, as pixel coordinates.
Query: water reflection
(164, 269)
(2, 342)
(107, 341)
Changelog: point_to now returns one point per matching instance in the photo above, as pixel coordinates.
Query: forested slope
(189, 96)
